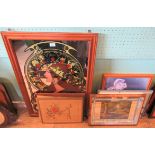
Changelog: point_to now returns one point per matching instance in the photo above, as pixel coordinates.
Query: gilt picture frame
(118, 109)
(51, 62)
(112, 81)
(147, 94)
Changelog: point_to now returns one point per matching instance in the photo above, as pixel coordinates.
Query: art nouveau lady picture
(49, 66)
(51, 62)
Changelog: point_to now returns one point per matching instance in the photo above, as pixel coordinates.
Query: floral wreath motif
(59, 61)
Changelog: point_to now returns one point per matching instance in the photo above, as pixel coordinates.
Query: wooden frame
(118, 109)
(61, 108)
(8, 37)
(146, 77)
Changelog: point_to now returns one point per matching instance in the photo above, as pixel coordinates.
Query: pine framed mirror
(51, 63)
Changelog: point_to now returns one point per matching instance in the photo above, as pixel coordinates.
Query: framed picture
(147, 94)
(60, 108)
(51, 63)
(127, 81)
(118, 109)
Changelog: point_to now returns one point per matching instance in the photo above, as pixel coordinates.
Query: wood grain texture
(60, 108)
(8, 37)
(25, 121)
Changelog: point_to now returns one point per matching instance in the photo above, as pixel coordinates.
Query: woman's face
(47, 79)
(48, 76)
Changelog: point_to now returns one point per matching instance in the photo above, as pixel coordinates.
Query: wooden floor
(25, 121)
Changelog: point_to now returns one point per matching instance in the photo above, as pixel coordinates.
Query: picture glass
(115, 110)
(52, 66)
(54, 109)
(127, 83)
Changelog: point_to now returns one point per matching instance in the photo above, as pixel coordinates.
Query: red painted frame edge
(92, 38)
(152, 115)
(150, 109)
(108, 75)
